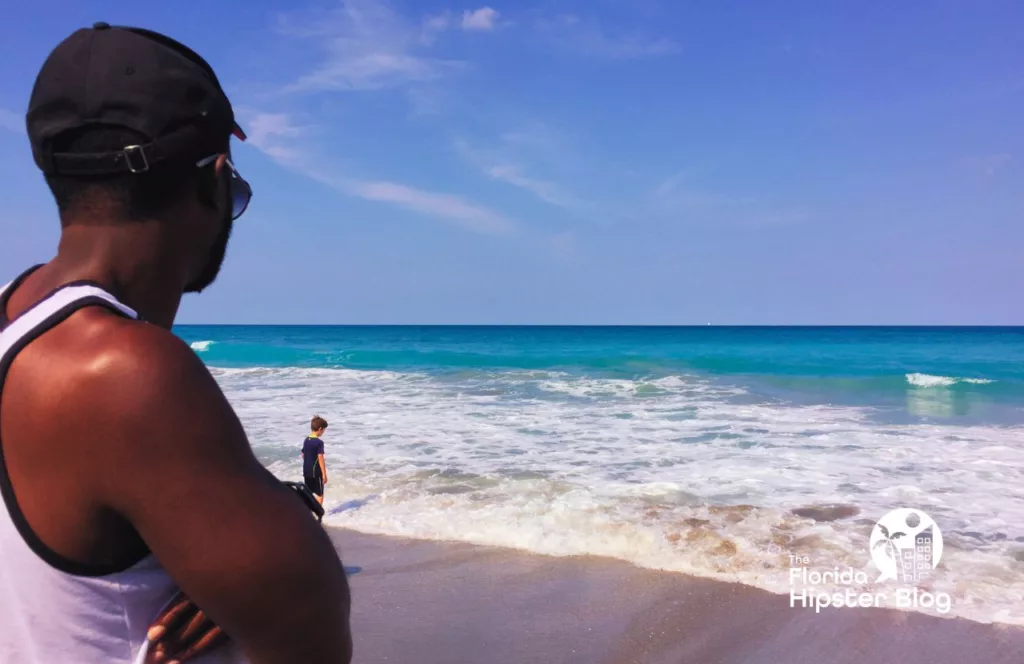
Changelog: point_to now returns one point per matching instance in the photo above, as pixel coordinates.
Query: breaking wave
(928, 380)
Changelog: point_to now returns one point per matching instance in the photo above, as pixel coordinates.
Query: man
(151, 486)
(314, 468)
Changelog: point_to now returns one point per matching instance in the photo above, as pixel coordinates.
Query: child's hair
(317, 423)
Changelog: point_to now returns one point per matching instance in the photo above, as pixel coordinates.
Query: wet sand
(450, 603)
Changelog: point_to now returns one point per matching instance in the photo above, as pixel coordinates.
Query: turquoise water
(869, 366)
(686, 449)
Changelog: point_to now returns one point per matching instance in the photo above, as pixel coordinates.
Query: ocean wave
(683, 474)
(201, 346)
(311, 372)
(928, 380)
(653, 528)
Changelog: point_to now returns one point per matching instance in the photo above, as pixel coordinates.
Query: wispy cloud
(549, 192)
(434, 25)
(277, 135)
(484, 18)
(670, 184)
(588, 37)
(444, 206)
(368, 46)
(498, 165)
(678, 192)
(12, 121)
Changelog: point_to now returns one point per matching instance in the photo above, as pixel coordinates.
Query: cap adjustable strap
(130, 159)
(135, 157)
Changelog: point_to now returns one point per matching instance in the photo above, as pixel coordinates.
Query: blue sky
(600, 162)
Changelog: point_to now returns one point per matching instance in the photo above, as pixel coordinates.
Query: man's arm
(234, 538)
(323, 466)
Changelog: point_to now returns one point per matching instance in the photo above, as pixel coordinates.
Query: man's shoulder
(103, 356)
(133, 347)
(107, 380)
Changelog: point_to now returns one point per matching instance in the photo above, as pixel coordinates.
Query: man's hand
(182, 632)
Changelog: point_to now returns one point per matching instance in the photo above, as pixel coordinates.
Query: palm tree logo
(889, 542)
(901, 540)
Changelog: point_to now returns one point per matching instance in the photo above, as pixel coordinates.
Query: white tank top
(53, 609)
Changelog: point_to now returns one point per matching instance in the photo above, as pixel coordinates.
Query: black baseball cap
(134, 79)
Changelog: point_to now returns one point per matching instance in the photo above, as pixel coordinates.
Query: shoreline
(452, 603)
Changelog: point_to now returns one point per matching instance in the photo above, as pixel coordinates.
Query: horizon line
(619, 325)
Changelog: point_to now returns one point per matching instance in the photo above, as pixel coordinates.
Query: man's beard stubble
(213, 264)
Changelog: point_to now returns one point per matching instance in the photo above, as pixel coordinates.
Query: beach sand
(451, 603)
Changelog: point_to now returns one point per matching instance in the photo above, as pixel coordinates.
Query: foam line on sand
(453, 603)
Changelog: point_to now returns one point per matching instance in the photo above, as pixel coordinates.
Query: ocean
(713, 451)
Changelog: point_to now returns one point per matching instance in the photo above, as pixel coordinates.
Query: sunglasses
(241, 192)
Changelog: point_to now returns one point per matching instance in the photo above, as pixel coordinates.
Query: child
(314, 468)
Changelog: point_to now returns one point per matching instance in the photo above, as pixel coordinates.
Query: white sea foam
(679, 474)
(201, 346)
(927, 380)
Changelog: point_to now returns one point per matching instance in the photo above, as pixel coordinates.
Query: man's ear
(206, 187)
(212, 192)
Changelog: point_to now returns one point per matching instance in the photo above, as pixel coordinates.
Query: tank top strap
(54, 308)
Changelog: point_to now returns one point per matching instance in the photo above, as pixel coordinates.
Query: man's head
(132, 127)
(318, 425)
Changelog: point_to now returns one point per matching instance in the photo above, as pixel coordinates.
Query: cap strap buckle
(135, 157)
